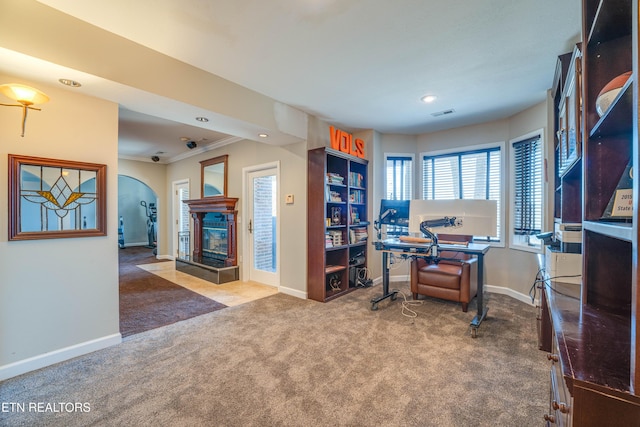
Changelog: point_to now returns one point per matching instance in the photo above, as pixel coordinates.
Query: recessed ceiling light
(263, 135)
(69, 82)
(202, 119)
(428, 98)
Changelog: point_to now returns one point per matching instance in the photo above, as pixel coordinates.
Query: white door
(180, 220)
(262, 225)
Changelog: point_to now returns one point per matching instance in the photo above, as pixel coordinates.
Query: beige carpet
(282, 361)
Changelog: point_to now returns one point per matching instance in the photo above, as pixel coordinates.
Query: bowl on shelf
(609, 92)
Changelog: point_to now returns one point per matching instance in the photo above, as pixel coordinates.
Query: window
(398, 183)
(527, 192)
(399, 177)
(473, 174)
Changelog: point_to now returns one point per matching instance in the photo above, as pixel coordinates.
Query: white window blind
(464, 175)
(399, 178)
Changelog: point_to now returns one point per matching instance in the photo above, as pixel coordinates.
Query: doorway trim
(245, 237)
(174, 215)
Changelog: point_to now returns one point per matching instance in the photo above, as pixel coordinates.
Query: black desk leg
(385, 284)
(482, 310)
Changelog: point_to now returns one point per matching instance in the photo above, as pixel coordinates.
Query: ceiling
(357, 64)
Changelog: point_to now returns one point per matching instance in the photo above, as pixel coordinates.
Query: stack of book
(334, 196)
(336, 238)
(358, 234)
(334, 178)
(328, 241)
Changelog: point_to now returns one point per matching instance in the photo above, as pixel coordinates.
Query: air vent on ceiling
(442, 113)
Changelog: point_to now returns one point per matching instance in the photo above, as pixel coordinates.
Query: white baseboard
(31, 364)
(169, 257)
(510, 292)
(132, 244)
(488, 288)
(293, 292)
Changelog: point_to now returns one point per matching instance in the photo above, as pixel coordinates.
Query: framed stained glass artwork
(51, 199)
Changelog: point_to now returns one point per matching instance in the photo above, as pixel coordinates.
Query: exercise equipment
(121, 232)
(152, 216)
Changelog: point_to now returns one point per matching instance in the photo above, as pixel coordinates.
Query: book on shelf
(334, 196)
(358, 234)
(356, 179)
(356, 196)
(328, 241)
(334, 178)
(336, 238)
(355, 215)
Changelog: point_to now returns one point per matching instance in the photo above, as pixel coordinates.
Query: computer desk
(411, 249)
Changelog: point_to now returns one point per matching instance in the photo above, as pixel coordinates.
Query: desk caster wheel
(374, 307)
(394, 296)
(474, 332)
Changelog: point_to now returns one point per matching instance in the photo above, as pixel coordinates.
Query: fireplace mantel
(199, 210)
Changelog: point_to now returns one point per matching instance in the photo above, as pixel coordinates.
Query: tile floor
(230, 294)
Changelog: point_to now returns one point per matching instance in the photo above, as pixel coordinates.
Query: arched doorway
(137, 204)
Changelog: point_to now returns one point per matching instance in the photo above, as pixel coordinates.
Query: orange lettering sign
(344, 142)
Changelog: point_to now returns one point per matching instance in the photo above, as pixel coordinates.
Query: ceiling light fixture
(26, 96)
(69, 82)
(202, 119)
(263, 135)
(427, 99)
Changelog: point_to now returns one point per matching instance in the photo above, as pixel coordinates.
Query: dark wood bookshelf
(333, 175)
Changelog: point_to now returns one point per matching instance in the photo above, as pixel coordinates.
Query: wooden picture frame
(53, 199)
(213, 177)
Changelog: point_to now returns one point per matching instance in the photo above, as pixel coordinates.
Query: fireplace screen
(214, 236)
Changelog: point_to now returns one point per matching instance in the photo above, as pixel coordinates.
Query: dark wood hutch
(591, 330)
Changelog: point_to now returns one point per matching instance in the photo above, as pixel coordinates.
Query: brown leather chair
(453, 280)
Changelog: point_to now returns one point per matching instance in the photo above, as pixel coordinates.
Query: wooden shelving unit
(568, 137)
(595, 355)
(338, 225)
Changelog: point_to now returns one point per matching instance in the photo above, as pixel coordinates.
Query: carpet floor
(148, 301)
(284, 361)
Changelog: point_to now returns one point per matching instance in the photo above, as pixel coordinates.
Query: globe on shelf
(609, 92)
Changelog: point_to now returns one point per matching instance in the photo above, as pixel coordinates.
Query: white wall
(293, 218)
(512, 270)
(154, 175)
(58, 297)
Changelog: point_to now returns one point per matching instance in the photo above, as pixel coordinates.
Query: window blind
(399, 178)
(464, 175)
(527, 187)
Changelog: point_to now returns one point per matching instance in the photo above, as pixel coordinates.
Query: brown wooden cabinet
(595, 358)
(338, 225)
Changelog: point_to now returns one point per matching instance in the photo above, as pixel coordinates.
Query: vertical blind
(527, 187)
(464, 175)
(399, 178)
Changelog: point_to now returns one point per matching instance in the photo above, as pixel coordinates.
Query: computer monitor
(394, 212)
